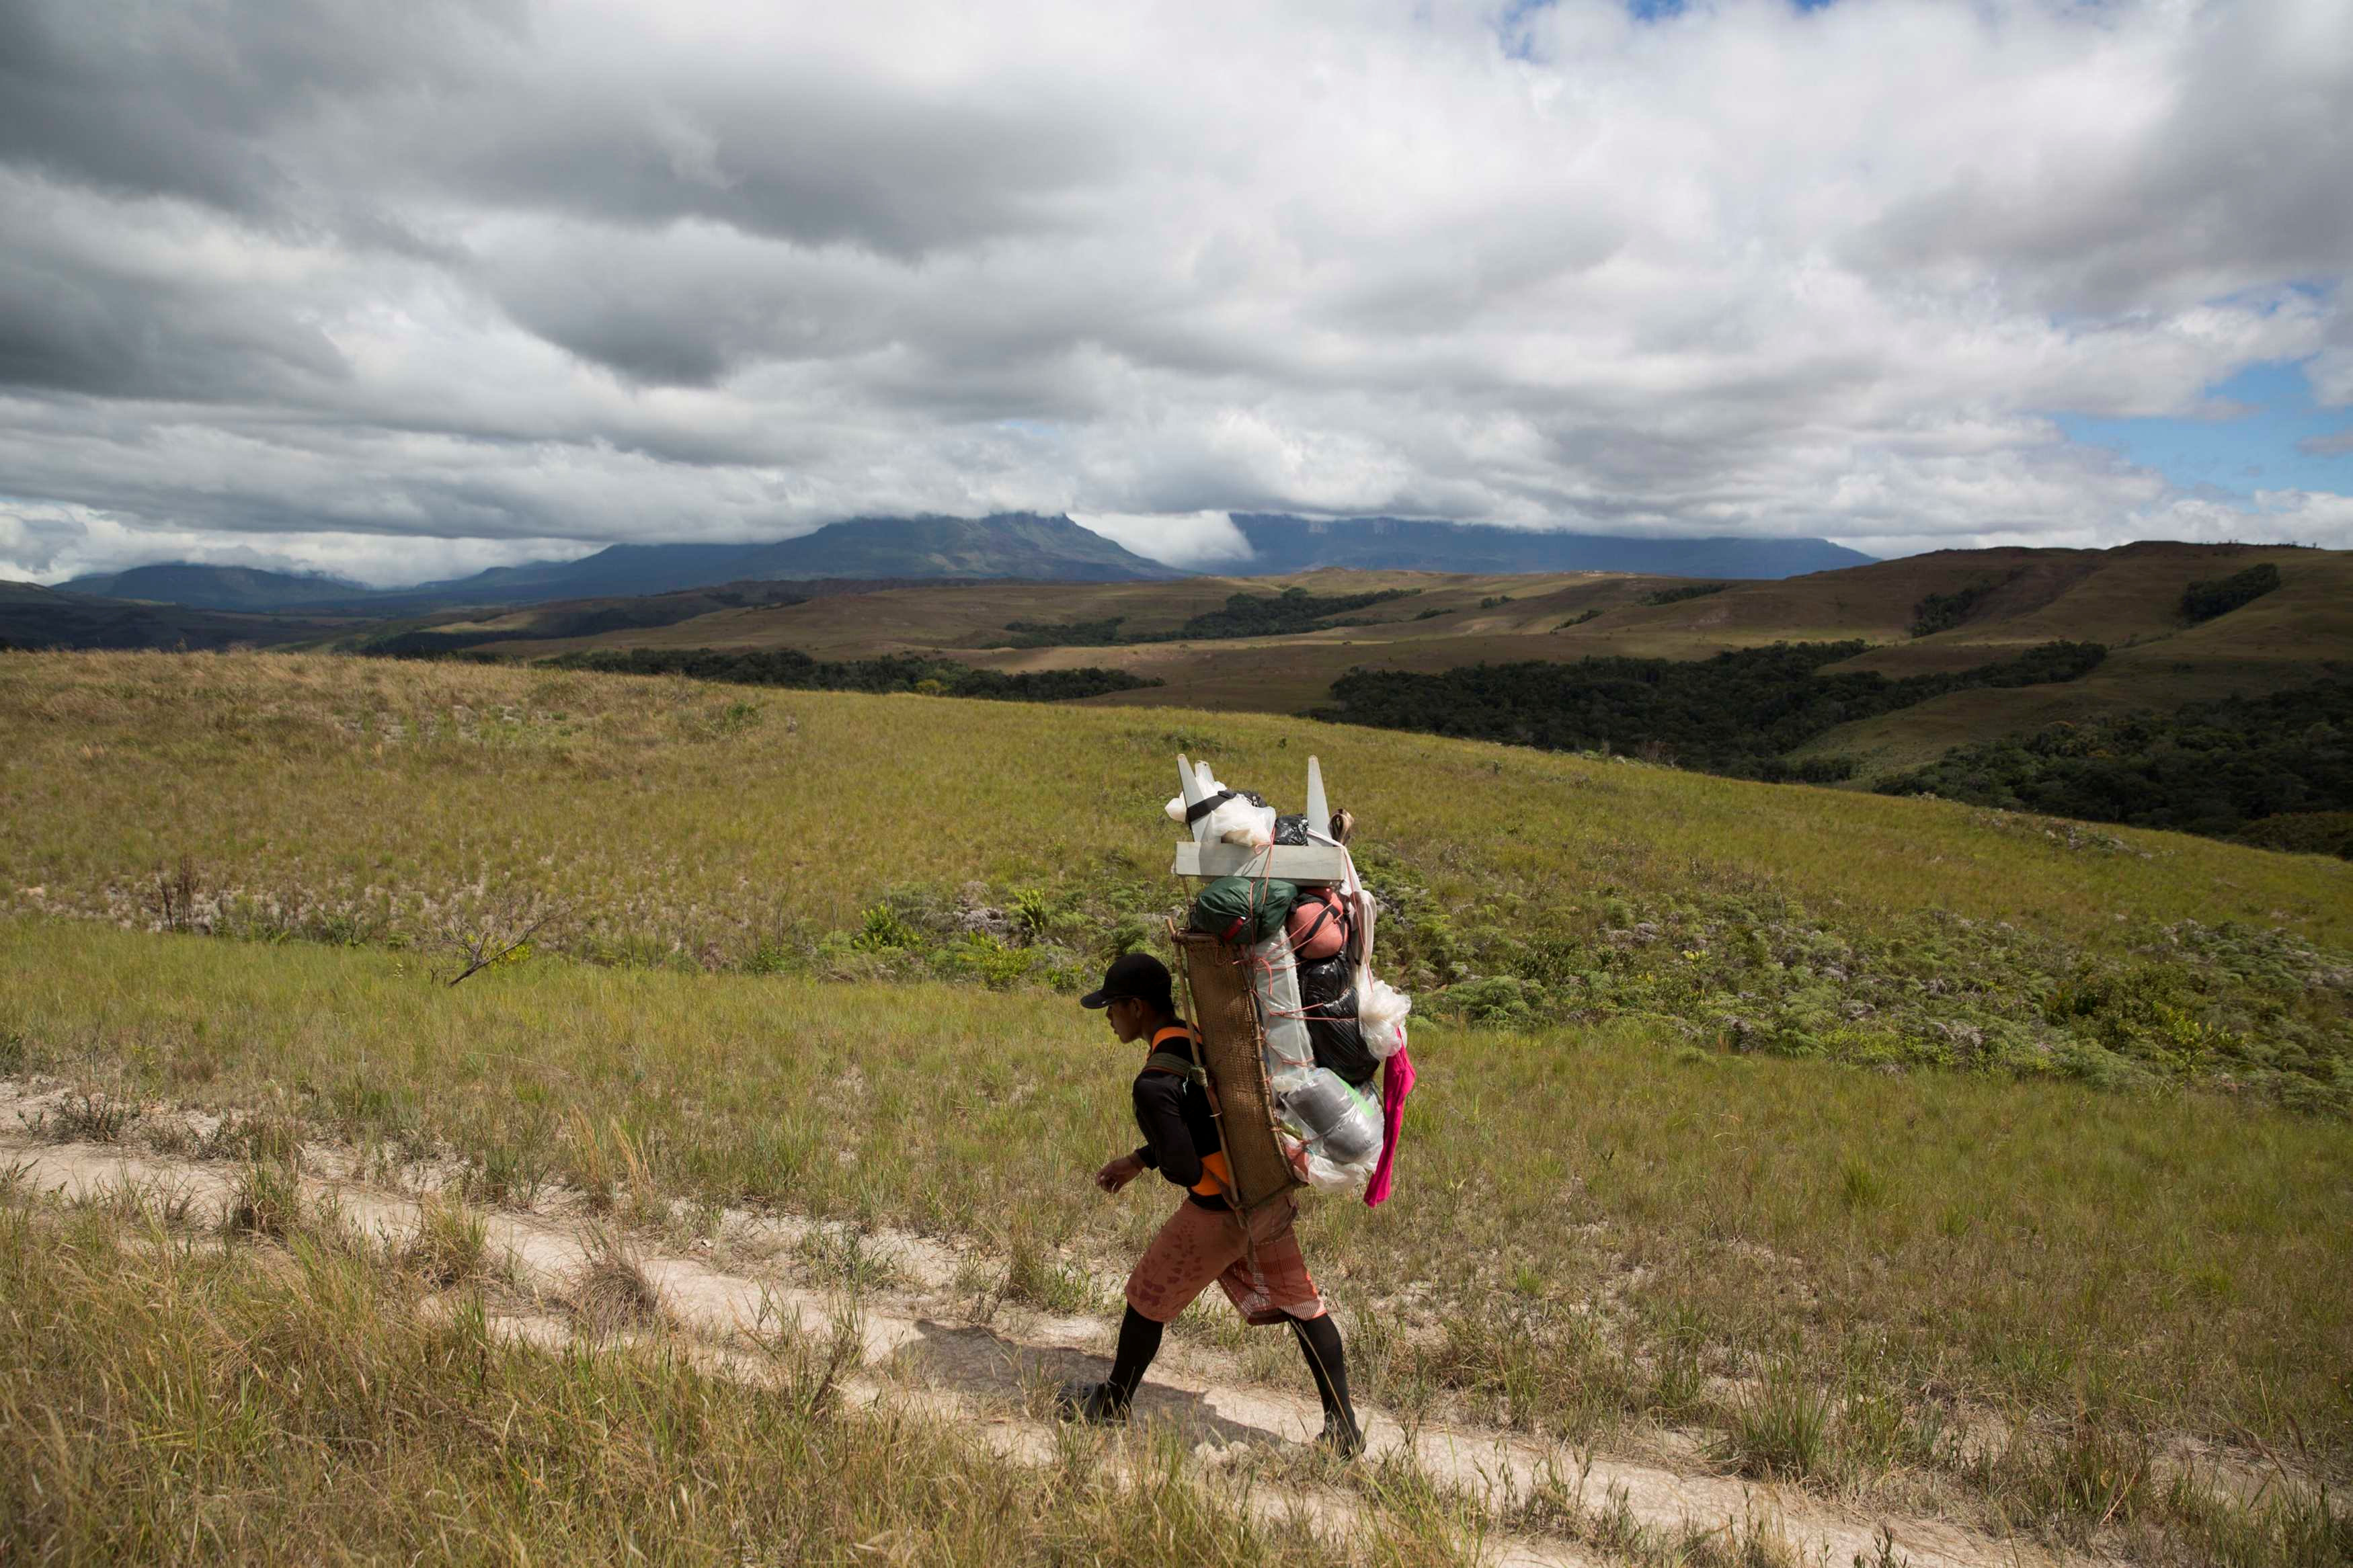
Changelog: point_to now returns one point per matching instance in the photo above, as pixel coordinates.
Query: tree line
(1735, 714)
(1285, 613)
(2219, 768)
(791, 668)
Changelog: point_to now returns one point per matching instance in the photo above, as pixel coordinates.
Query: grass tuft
(2095, 1472)
(613, 1292)
(450, 1244)
(1036, 1275)
(1781, 1428)
(84, 1116)
(266, 1201)
(843, 1256)
(254, 1136)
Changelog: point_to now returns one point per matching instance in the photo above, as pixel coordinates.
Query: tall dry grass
(163, 1402)
(1592, 1228)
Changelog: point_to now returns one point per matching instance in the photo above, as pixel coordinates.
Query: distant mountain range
(217, 587)
(1011, 545)
(1281, 545)
(31, 616)
(1008, 545)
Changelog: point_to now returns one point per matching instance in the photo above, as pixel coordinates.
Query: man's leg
(1327, 1363)
(1193, 1247)
(1271, 1284)
(1139, 1341)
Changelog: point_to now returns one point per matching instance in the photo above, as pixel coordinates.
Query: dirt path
(924, 1345)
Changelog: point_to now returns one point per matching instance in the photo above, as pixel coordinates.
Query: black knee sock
(1139, 1341)
(1319, 1341)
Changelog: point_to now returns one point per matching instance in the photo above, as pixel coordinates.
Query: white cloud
(508, 273)
(1202, 540)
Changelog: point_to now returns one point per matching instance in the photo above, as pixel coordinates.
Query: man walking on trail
(1263, 1274)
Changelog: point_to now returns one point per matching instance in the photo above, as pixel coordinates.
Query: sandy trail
(921, 1347)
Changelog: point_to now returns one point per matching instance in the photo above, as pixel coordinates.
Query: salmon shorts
(1267, 1280)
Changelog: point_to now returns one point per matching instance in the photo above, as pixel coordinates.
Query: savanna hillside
(2196, 688)
(806, 951)
(2128, 599)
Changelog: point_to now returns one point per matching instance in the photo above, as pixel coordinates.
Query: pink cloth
(1397, 1082)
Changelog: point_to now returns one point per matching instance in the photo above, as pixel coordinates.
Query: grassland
(678, 818)
(2127, 598)
(1619, 1209)
(1596, 1229)
(662, 821)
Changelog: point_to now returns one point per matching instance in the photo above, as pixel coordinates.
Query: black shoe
(1341, 1436)
(1095, 1404)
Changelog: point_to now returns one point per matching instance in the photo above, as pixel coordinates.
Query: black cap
(1134, 974)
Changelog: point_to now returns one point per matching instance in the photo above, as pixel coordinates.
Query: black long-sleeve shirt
(1172, 1114)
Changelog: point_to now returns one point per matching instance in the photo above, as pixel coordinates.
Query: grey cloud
(79, 329)
(291, 270)
(182, 100)
(797, 156)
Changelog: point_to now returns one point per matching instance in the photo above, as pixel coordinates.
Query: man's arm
(1167, 1143)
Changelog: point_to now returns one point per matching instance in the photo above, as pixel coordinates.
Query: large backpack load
(1282, 920)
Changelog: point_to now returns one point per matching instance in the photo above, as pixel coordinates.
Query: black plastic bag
(1328, 1000)
(1326, 987)
(1339, 1044)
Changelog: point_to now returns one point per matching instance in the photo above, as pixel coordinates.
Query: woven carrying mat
(1232, 1054)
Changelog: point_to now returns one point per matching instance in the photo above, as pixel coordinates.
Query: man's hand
(1119, 1173)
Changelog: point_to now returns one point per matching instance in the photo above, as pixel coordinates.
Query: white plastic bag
(1236, 821)
(1330, 1132)
(1311, 1157)
(1380, 1016)
(1274, 984)
(1324, 1174)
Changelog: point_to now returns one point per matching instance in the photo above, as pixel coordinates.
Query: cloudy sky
(405, 289)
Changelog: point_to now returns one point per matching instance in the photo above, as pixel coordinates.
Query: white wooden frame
(1320, 861)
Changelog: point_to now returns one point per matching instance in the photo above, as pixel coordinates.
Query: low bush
(1292, 611)
(1688, 591)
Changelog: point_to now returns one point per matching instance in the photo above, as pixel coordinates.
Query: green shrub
(1688, 591)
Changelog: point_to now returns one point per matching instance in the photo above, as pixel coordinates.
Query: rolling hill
(1282, 545)
(2127, 599)
(34, 618)
(1902, 662)
(1882, 690)
(205, 587)
(1791, 1089)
